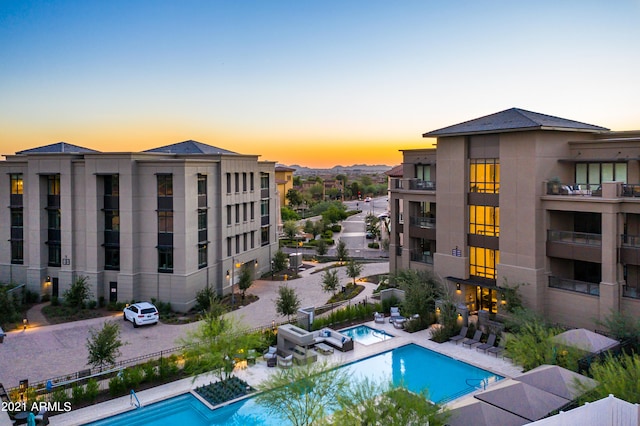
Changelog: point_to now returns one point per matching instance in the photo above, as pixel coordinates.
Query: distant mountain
(354, 169)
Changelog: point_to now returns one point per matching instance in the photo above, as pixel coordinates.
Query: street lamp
(233, 279)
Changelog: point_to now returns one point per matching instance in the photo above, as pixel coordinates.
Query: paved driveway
(54, 350)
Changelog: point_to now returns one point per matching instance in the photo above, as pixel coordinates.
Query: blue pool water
(415, 367)
(366, 335)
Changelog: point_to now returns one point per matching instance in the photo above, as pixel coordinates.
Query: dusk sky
(315, 83)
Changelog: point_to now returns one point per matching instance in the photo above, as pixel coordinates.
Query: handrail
(132, 395)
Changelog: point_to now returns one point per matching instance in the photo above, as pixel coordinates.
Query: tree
(294, 197)
(330, 281)
(421, 292)
(321, 247)
(290, 229)
(304, 395)
(245, 280)
(288, 214)
(76, 295)
(341, 251)
(104, 345)
(215, 344)
(623, 327)
(279, 261)
(353, 270)
(8, 311)
(619, 376)
(287, 302)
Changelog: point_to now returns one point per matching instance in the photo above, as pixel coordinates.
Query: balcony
(629, 190)
(422, 257)
(574, 189)
(423, 222)
(413, 184)
(630, 249)
(584, 287)
(574, 237)
(630, 292)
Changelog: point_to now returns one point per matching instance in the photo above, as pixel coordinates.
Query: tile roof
(58, 148)
(190, 147)
(397, 171)
(514, 119)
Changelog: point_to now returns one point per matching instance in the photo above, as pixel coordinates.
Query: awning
(475, 281)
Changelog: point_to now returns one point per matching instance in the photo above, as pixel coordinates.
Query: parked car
(370, 235)
(366, 200)
(141, 313)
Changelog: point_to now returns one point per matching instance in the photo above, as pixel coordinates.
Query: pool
(417, 368)
(366, 335)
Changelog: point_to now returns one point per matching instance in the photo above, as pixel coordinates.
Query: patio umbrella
(522, 400)
(557, 380)
(478, 413)
(584, 339)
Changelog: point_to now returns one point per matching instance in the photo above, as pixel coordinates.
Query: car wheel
(124, 316)
(135, 324)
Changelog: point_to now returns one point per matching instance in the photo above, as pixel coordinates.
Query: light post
(233, 273)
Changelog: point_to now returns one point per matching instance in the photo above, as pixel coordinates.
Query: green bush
(55, 301)
(336, 228)
(132, 377)
(149, 369)
(60, 395)
(373, 245)
(117, 386)
(328, 234)
(77, 394)
(388, 303)
(91, 391)
(92, 304)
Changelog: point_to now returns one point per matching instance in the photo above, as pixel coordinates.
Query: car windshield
(148, 310)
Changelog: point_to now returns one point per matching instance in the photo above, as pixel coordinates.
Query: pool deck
(257, 373)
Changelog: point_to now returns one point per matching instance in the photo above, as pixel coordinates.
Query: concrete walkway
(43, 352)
(35, 316)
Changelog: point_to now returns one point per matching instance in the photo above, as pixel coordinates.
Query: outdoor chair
(491, 340)
(399, 324)
(395, 313)
(498, 350)
(251, 357)
(271, 353)
(286, 361)
(474, 340)
(460, 336)
(378, 317)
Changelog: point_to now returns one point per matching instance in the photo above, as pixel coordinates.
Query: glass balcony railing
(574, 237)
(422, 257)
(423, 222)
(558, 188)
(629, 190)
(574, 285)
(630, 240)
(630, 292)
(413, 184)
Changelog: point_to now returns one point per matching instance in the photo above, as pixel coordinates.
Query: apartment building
(163, 223)
(518, 197)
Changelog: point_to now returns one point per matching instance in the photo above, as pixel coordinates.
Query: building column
(609, 286)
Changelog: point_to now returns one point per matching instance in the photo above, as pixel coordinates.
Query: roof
(284, 169)
(587, 340)
(58, 148)
(609, 411)
(396, 171)
(190, 147)
(557, 380)
(481, 414)
(514, 119)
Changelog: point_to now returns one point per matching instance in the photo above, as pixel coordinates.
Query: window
(229, 252)
(244, 241)
(54, 219)
(253, 239)
(111, 220)
(251, 185)
(228, 183)
(112, 258)
(264, 208)
(202, 219)
(484, 220)
(228, 215)
(112, 185)
(237, 213)
(54, 255)
(237, 178)
(423, 172)
(253, 209)
(264, 235)
(165, 222)
(202, 190)
(17, 218)
(165, 259)
(16, 184)
(244, 182)
(483, 261)
(202, 256)
(264, 180)
(53, 185)
(244, 212)
(596, 173)
(484, 175)
(165, 185)
(237, 244)
(17, 252)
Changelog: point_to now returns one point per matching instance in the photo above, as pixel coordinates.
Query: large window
(264, 208)
(596, 173)
(112, 258)
(423, 172)
(165, 259)
(202, 256)
(17, 252)
(17, 184)
(264, 181)
(484, 220)
(484, 175)
(165, 185)
(165, 222)
(53, 185)
(483, 261)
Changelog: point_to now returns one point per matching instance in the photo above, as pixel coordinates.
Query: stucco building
(519, 197)
(163, 223)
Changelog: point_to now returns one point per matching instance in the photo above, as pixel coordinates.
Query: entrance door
(54, 287)
(487, 299)
(113, 291)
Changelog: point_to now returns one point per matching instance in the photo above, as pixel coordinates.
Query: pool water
(417, 368)
(366, 335)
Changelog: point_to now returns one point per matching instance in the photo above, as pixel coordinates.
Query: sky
(314, 83)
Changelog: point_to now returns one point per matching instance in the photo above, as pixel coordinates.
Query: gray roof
(557, 380)
(58, 148)
(190, 147)
(511, 120)
(482, 414)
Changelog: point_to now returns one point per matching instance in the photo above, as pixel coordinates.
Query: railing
(630, 292)
(423, 222)
(413, 184)
(630, 240)
(629, 190)
(584, 287)
(574, 237)
(418, 256)
(558, 188)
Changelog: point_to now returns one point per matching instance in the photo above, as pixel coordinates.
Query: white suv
(141, 313)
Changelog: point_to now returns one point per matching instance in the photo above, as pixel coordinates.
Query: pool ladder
(480, 382)
(132, 396)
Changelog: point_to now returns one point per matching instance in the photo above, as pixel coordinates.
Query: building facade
(163, 223)
(528, 199)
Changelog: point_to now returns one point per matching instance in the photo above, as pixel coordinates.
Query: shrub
(149, 371)
(91, 391)
(60, 395)
(92, 304)
(132, 377)
(117, 386)
(373, 245)
(388, 303)
(204, 297)
(77, 394)
(45, 298)
(55, 301)
(336, 228)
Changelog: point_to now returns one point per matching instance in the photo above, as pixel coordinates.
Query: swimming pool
(366, 335)
(417, 368)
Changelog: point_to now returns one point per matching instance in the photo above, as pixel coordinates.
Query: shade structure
(478, 413)
(609, 411)
(586, 340)
(523, 400)
(558, 381)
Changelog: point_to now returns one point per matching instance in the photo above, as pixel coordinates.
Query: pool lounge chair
(395, 313)
(491, 340)
(378, 317)
(460, 336)
(473, 341)
(498, 350)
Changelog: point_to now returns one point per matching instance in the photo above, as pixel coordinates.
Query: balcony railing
(558, 188)
(630, 190)
(423, 222)
(422, 257)
(574, 237)
(413, 184)
(630, 292)
(574, 285)
(630, 240)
